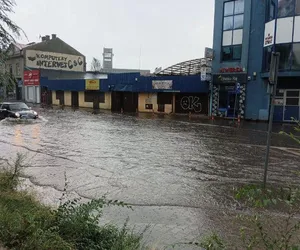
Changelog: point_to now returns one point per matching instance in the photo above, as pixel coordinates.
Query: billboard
(31, 78)
(162, 84)
(54, 61)
(92, 84)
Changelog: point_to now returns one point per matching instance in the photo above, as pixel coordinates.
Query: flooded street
(174, 172)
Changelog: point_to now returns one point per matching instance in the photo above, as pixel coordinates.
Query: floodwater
(175, 172)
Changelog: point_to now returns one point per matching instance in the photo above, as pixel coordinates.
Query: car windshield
(18, 106)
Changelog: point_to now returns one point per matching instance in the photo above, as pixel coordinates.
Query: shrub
(25, 224)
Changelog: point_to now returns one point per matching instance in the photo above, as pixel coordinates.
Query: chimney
(53, 36)
(47, 38)
(43, 38)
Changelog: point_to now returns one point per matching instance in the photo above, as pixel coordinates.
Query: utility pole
(273, 84)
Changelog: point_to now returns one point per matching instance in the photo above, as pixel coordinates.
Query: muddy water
(174, 172)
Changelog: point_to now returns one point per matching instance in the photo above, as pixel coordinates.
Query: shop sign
(92, 84)
(54, 61)
(269, 33)
(231, 70)
(229, 78)
(162, 84)
(31, 78)
(209, 53)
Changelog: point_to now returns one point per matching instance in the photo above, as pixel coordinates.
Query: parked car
(16, 110)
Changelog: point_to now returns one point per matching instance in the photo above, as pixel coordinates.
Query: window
(233, 23)
(18, 69)
(267, 58)
(292, 101)
(286, 8)
(271, 11)
(164, 98)
(223, 96)
(94, 96)
(285, 55)
(231, 53)
(296, 56)
(297, 9)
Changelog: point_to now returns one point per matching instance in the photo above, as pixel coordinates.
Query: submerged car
(16, 110)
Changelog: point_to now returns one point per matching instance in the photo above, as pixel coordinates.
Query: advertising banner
(31, 78)
(162, 84)
(269, 33)
(54, 61)
(92, 84)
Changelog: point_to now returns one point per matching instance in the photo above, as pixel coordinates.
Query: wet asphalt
(176, 172)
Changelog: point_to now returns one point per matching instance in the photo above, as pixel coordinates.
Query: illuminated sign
(230, 70)
(92, 84)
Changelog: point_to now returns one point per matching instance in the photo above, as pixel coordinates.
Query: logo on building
(268, 39)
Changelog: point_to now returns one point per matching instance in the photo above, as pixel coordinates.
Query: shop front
(32, 86)
(228, 95)
(287, 105)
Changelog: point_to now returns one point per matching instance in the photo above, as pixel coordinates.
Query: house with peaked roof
(27, 60)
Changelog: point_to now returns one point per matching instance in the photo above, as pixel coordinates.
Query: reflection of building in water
(18, 138)
(36, 133)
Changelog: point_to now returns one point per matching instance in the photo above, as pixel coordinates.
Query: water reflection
(18, 136)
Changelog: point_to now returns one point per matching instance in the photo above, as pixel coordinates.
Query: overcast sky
(165, 31)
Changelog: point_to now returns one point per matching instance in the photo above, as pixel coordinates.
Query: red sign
(32, 78)
(231, 70)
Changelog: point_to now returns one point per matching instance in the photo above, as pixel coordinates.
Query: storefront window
(296, 56)
(223, 96)
(286, 8)
(285, 55)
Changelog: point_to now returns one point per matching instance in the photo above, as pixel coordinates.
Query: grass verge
(27, 224)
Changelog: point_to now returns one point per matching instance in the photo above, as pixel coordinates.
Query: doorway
(74, 99)
(232, 104)
(291, 105)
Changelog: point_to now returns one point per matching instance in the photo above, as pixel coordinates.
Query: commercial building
(177, 89)
(245, 34)
(26, 62)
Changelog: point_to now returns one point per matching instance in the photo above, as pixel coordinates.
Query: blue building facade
(245, 34)
(128, 92)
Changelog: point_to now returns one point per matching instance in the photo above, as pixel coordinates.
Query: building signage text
(31, 78)
(162, 84)
(54, 61)
(92, 84)
(269, 33)
(229, 78)
(227, 70)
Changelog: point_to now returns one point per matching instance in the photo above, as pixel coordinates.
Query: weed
(26, 224)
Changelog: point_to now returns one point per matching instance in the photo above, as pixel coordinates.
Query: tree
(9, 31)
(95, 64)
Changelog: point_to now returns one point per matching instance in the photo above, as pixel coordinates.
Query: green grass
(27, 224)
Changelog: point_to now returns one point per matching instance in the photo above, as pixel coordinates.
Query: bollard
(121, 110)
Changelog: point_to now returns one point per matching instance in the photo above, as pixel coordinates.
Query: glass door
(291, 105)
